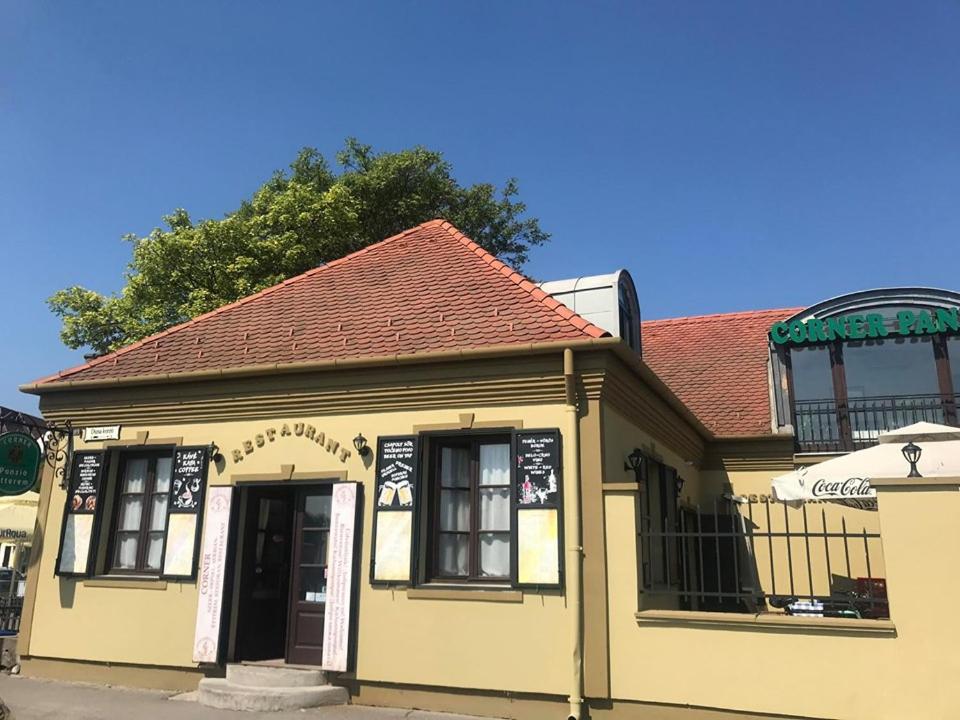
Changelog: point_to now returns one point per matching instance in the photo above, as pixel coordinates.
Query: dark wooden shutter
(81, 514)
(396, 496)
(537, 495)
(188, 488)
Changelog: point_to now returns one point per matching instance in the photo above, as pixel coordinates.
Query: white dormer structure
(608, 301)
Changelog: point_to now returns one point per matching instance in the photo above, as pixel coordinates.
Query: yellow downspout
(574, 542)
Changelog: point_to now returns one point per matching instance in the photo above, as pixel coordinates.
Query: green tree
(295, 221)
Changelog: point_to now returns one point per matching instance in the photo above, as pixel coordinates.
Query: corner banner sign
(19, 463)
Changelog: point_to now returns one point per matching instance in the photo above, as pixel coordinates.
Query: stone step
(218, 693)
(258, 675)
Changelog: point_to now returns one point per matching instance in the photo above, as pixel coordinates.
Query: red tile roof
(429, 288)
(717, 365)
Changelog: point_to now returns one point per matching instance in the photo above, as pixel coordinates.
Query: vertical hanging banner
(337, 615)
(213, 562)
(396, 497)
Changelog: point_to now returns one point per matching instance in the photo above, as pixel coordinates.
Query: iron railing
(753, 554)
(10, 610)
(826, 426)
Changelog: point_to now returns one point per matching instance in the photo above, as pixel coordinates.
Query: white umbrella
(846, 478)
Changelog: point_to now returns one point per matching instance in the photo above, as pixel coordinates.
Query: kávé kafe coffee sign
(19, 463)
(869, 325)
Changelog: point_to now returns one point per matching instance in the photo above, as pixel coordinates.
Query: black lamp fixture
(360, 443)
(912, 453)
(215, 453)
(680, 482)
(635, 462)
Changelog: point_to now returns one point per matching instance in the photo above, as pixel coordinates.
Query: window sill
(765, 621)
(137, 582)
(445, 592)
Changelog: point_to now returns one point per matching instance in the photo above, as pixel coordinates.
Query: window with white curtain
(471, 508)
(141, 513)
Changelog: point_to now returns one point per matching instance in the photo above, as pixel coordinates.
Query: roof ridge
(739, 313)
(521, 281)
(236, 303)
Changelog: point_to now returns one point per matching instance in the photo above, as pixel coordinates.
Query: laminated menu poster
(188, 480)
(538, 559)
(189, 467)
(538, 467)
(396, 475)
(82, 493)
(85, 482)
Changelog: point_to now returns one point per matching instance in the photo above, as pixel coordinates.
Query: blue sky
(731, 155)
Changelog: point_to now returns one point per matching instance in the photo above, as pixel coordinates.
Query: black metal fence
(10, 610)
(823, 426)
(757, 555)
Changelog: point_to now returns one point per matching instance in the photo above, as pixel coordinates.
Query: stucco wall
(827, 672)
(518, 645)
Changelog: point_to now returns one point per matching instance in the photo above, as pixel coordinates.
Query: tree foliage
(297, 220)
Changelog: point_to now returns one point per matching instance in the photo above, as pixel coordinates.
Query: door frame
(294, 487)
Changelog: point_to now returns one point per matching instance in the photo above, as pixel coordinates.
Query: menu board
(396, 473)
(538, 476)
(187, 488)
(538, 468)
(397, 477)
(189, 469)
(86, 477)
(85, 482)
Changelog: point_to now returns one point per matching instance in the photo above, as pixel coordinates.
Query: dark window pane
(453, 555)
(455, 467)
(953, 350)
(314, 548)
(812, 378)
(313, 584)
(455, 510)
(904, 366)
(317, 510)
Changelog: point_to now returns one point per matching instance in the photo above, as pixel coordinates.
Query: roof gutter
(614, 344)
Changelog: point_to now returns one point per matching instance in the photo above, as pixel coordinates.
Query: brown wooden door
(308, 585)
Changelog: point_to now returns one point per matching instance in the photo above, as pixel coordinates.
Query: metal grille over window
(755, 555)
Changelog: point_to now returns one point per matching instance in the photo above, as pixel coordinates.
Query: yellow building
(417, 469)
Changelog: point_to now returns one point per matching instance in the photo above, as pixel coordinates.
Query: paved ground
(47, 700)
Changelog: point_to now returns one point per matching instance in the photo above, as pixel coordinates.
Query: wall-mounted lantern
(912, 454)
(360, 443)
(635, 462)
(215, 453)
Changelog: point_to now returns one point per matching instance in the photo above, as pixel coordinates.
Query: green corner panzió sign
(870, 325)
(19, 463)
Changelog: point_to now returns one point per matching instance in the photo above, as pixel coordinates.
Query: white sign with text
(213, 561)
(336, 621)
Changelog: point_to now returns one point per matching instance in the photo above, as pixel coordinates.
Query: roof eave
(492, 351)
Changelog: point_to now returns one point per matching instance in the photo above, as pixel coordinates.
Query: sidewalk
(48, 700)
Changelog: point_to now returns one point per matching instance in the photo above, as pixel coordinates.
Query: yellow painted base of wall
(152, 677)
(516, 706)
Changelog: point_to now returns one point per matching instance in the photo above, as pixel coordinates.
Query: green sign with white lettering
(870, 325)
(19, 463)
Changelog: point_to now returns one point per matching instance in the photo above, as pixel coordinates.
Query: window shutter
(537, 545)
(395, 499)
(81, 514)
(188, 485)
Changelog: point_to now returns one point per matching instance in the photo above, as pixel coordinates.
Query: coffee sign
(19, 463)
